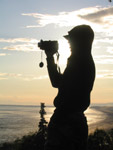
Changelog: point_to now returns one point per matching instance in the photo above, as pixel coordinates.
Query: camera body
(48, 45)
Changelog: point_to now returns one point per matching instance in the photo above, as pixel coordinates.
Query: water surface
(17, 121)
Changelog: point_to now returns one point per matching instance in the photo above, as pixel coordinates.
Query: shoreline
(105, 124)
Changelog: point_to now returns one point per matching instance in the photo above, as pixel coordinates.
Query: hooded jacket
(74, 84)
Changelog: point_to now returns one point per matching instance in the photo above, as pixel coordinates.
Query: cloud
(41, 77)
(33, 78)
(28, 77)
(92, 15)
(20, 44)
(15, 40)
(22, 47)
(3, 76)
(110, 50)
(3, 54)
(7, 75)
(104, 59)
(100, 18)
(100, 15)
(105, 74)
(63, 19)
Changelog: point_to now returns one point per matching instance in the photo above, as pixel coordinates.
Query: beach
(106, 122)
(17, 121)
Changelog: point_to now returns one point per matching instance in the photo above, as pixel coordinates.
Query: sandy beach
(107, 122)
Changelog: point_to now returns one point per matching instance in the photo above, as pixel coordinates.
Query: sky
(23, 23)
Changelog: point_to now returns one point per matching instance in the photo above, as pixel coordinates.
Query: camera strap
(57, 54)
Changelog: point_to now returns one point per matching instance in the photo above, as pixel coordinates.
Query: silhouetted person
(68, 128)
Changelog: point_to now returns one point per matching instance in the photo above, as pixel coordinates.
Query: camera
(48, 45)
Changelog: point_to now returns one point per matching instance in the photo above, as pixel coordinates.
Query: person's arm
(55, 76)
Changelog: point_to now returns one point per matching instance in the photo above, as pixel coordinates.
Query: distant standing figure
(68, 127)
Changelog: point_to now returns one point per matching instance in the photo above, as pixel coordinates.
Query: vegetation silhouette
(33, 141)
(43, 123)
(99, 140)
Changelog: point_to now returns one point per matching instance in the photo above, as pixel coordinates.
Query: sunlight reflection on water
(17, 121)
(94, 116)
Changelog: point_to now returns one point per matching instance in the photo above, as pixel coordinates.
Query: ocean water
(17, 121)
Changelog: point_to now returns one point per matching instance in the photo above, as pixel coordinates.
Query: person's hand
(49, 53)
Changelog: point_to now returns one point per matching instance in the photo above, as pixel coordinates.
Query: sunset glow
(25, 23)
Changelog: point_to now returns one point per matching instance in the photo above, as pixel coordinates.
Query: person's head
(80, 38)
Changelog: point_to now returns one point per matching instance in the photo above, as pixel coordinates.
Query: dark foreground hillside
(99, 140)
